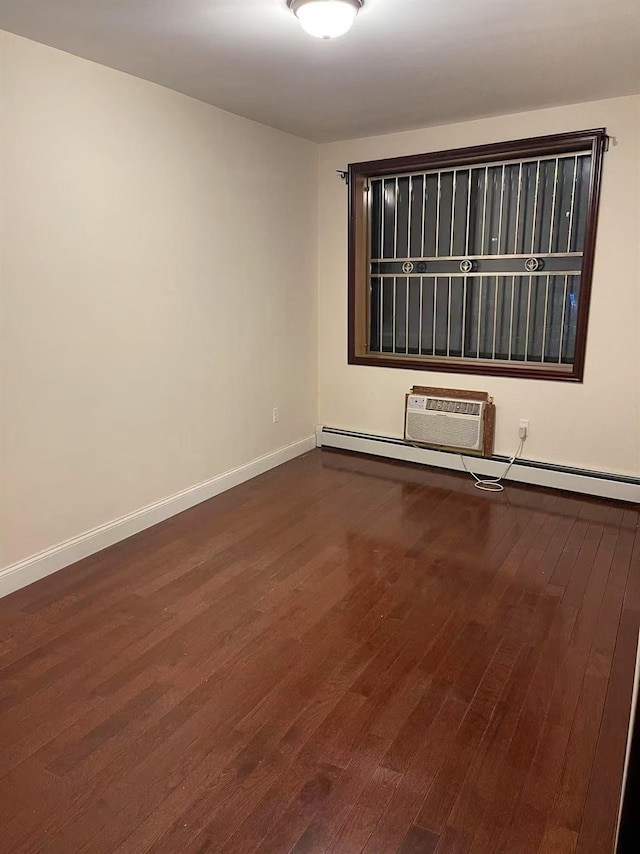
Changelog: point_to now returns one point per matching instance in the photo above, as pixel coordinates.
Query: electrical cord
(487, 484)
(492, 484)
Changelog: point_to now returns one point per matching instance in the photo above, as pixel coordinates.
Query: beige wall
(158, 294)
(594, 425)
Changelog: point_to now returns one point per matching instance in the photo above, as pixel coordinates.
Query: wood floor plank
(454, 841)
(442, 793)
(547, 714)
(419, 841)
(439, 739)
(545, 775)
(344, 654)
(366, 812)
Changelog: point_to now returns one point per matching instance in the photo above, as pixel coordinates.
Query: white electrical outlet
(523, 428)
(276, 414)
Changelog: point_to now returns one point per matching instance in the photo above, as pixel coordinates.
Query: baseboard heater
(601, 484)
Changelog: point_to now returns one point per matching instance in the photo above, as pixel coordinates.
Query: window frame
(358, 250)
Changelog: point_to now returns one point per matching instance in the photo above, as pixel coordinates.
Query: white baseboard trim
(601, 484)
(31, 569)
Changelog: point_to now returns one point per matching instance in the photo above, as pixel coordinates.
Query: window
(477, 260)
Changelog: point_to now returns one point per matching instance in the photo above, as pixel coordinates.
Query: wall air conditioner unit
(450, 419)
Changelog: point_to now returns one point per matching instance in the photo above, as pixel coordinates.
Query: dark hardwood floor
(341, 655)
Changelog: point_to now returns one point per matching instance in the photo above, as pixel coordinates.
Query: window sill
(519, 370)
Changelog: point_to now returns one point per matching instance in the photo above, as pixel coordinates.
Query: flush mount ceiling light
(325, 19)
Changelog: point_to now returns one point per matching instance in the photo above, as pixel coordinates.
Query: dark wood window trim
(359, 174)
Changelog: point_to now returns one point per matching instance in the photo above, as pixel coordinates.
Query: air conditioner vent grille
(445, 422)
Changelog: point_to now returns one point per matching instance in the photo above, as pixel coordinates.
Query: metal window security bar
(481, 262)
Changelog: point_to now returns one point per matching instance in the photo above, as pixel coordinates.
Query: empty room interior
(319, 426)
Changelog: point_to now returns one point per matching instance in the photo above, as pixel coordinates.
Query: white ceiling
(405, 63)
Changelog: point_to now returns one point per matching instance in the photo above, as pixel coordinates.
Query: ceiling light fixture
(325, 19)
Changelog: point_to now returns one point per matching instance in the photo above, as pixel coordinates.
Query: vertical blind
(482, 262)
